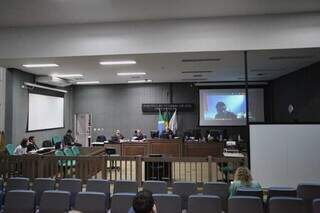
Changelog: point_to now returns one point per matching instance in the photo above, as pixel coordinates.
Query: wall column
(2, 97)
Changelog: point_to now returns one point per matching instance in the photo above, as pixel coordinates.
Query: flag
(173, 124)
(166, 118)
(160, 123)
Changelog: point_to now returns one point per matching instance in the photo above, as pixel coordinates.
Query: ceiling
(213, 66)
(55, 12)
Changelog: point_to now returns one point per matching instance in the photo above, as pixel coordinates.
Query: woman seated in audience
(143, 203)
(22, 148)
(32, 144)
(242, 178)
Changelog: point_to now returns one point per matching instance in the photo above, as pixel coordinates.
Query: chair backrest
(42, 184)
(245, 204)
(167, 203)
(219, 189)
(47, 143)
(71, 185)
(54, 201)
(316, 205)
(281, 192)
(10, 149)
(308, 192)
(184, 190)
(156, 187)
(285, 204)
(18, 201)
(59, 153)
(91, 202)
(17, 183)
(98, 185)
(103, 186)
(121, 202)
(204, 203)
(243, 191)
(56, 139)
(125, 186)
(68, 152)
(75, 150)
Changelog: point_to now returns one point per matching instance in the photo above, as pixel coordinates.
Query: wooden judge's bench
(169, 148)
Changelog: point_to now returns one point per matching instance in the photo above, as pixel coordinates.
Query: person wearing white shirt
(22, 148)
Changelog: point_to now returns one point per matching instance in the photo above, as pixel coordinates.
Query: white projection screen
(285, 155)
(45, 112)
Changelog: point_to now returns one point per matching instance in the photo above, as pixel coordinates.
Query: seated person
(167, 133)
(138, 135)
(242, 178)
(143, 203)
(22, 148)
(119, 135)
(68, 139)
(31, 144)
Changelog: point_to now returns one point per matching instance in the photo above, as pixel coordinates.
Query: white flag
(173, 123)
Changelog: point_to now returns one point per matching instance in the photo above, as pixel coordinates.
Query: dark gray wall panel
(119, 106)
(17, 110)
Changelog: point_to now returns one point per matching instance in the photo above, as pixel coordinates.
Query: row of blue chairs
(307, 192)
(95, 202)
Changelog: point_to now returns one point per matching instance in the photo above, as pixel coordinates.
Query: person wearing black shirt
(167, 133)
(31, 145)
(68, 139)
(138, 135)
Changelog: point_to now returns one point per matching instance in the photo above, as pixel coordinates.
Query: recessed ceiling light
(67, 75)
(140, 81)
(130, 73)
(88, 82)
(117, 62)
(39, 65)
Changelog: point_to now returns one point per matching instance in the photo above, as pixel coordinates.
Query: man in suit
(138, 135)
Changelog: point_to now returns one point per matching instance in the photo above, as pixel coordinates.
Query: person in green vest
(242, 178)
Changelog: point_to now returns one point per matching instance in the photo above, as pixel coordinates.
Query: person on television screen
(222, 113)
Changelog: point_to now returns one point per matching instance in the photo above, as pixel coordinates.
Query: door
(83, 128)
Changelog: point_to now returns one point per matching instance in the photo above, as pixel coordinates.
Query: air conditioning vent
(197, 76)
(291, 57)
(201, 60)
(187, 72)
(53, 81)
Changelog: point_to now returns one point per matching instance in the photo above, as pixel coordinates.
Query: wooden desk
(134, 148)
(167, 147)
(197, 149)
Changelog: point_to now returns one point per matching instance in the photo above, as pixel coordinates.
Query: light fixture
(118, 62)
(130, 73)
(140, 81)
(87, 82)
(67, 75)
(39, 65)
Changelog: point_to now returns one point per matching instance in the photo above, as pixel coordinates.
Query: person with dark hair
(222, 113)
(68, 139)
(31, 144)
(22, 148)
(143, 202)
